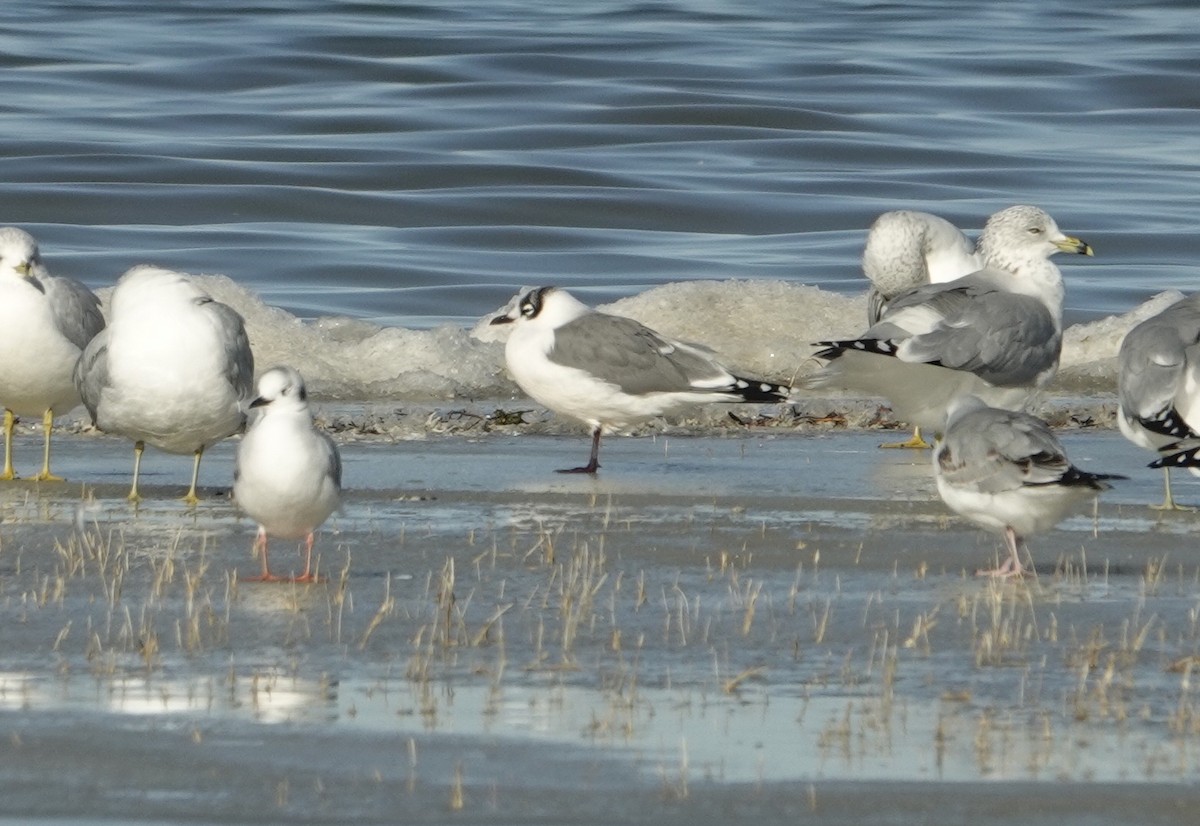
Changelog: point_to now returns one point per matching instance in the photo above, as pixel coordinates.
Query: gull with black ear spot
(288, 476)
(1007, 472)
(611, 372)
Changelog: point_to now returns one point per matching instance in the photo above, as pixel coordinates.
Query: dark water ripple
(416, 163)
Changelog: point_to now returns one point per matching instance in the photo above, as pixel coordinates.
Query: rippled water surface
(415, 163)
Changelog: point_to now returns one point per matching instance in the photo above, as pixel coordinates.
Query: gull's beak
(259, 402)
(503, 319)
(1070, 244)
(24, 268)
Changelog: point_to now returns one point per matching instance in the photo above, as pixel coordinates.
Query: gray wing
(333, 459)
(91, 372)
(992, 450)
(1153, 360)
(970, 324)
(76, 309)
(239, 360)
(633, 357)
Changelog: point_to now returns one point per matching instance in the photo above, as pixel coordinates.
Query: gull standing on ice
(996, 333)
(907, 249)
(288, 476)
(45, 322)
(1007, 472)
(1157, 387)
(172, 368)
(611, 372)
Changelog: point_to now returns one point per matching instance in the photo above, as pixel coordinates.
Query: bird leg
(1168, 503)
(1012, 566)
(307, 576)
(139, 447)
(260, 546)
(593, 464)
(47, 424)
(191, 498)
(10, 421)
(917, 442)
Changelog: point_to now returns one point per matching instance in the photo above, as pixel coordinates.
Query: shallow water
(776, 624)
(699, 620)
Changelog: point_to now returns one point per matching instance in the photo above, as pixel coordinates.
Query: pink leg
(307, 576)
(1012, 566)
(260, 547)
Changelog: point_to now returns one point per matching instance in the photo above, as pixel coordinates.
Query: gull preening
(609, 371)
(172, 369)
(45, 322)
(996, 333)
(907, 249)
(288, 476)
(1157, 393)
(1007, 472)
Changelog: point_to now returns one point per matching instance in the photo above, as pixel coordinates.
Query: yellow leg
(191, 498)
(916, 442)
(9, 422)
(47, 425)
(138, 448)
(1169, 503)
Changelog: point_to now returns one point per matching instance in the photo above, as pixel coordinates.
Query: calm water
(413, 164)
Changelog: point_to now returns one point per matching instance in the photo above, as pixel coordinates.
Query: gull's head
(150, 288)
(545, 306)
(19, 254)
(281, 388)
(1021, 234)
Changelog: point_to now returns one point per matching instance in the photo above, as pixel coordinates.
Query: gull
(907, 249)
(288, 476)
(172, 368)
(1007, 472)
(996, 333)
(1158, 407)
(45, 322)
(611, 372)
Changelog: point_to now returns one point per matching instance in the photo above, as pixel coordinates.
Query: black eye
(1035, 230)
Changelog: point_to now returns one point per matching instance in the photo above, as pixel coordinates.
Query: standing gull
(1156, 387)
(996, 333)
(288, 476)
(611, 372)
(907, 249)
(1007, 472)
(172, 369)
(45, 322)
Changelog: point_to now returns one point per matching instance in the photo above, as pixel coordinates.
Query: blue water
(416, 163)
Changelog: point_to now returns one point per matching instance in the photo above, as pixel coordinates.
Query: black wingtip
(763, 392)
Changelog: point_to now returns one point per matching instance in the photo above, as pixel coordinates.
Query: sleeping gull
(1156, 387)
(288, 476)
(45, 322)
(1007, 472)
(611, 372)
(907, 249)
(172, 369)
(996, 333)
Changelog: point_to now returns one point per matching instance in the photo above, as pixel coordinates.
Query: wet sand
(753, 624)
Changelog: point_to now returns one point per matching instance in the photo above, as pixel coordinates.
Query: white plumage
(172, 369)
(996, 333)
(288, 476)
(1007, 472)
(611, 372)
(45, 322)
